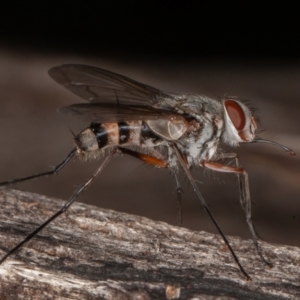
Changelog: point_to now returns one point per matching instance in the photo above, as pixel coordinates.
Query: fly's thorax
(202, 139)
(170, 129)
(240, 124)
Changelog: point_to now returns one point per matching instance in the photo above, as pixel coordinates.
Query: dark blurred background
(214, 48)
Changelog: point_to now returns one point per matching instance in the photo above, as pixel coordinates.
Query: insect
(174, 131)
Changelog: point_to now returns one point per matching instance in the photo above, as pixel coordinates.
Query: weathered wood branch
(93, 253)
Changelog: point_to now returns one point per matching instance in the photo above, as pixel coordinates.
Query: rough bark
(92, 253)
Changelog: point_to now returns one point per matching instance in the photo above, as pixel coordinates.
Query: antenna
(260, 140)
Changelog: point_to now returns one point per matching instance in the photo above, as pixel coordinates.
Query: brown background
(208, 47)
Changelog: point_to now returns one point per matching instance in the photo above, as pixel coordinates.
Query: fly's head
(240, 124)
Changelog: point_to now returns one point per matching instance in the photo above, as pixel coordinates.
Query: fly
(170, 131)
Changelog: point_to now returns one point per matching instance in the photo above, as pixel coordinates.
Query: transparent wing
(98, 112)
(101, 86)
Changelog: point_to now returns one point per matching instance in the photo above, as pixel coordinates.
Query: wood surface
(92, 253)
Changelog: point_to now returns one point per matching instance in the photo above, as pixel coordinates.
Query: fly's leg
(56, 170)
(162, 164)
(62, 210)
(152, 160)
(184, 166)
(244, 195)
(179, 202)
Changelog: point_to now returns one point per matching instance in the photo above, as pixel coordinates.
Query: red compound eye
(236, 114)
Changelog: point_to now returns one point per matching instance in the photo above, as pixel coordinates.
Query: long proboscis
(288, 150)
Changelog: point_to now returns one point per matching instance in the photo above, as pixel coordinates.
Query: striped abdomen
(99, 136)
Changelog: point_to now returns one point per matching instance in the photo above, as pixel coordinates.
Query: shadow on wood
(92, 253)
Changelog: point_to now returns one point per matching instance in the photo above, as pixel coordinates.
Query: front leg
(244, 191)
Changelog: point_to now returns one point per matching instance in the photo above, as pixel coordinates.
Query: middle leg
(162, 164)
